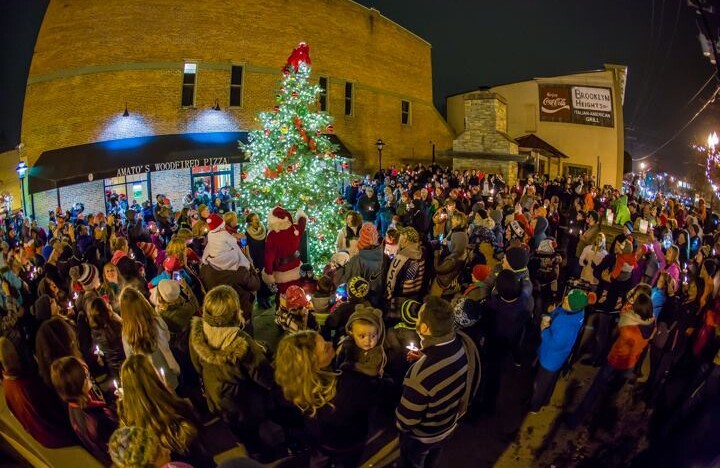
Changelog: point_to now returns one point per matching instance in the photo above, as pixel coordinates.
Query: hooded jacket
(541, 225)
(233, 367)
(222, 251)
(350, 356)
(558, 339)
(368, 264)
(634, 333)
(622, 213)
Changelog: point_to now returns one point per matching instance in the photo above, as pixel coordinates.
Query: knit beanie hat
(579, 299)
(171, 264)
(358, 287)
(507, 285)
(148, 249)
(410, 234)
(169, 290)
(133, 446)
(215, 222)
(294, 298)
(368, 236)
(480, 272)
(409, 311)
(517, 258)
(85, 274)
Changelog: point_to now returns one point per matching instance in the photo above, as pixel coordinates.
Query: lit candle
(162, 373)
(115, 384)
(98, 351)
(412, 347)
(70, 306)
(75, 295)
(307, 296)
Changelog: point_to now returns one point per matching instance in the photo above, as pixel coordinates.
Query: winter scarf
(258, 233)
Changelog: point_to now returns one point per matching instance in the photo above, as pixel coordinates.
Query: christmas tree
(293, 163)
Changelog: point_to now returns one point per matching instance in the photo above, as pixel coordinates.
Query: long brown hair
(148, 403)
(101, 317)
(69, 377)
(140, 321)
(9, 358)
(55, 339)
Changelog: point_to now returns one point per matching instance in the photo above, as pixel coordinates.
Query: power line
(712, 98)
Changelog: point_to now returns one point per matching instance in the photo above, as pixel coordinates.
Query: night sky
(489, 43)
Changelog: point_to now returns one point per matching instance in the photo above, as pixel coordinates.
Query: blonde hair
(140, 321)
(183, 235)
(599, 240)
(119, 243)
(229, 217)
(298, 374)
(177, 248)
(147, 403)
(223, 301)
(458, 220)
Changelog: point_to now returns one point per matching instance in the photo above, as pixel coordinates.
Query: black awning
(104, 159)
(73, 165)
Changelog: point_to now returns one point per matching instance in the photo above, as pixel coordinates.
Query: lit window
(349, 99)
(236, 83)
(405, 112)
(323, 83)
(188, 89)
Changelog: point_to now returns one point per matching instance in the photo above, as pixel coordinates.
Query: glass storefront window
(121, 191)
(213, 178)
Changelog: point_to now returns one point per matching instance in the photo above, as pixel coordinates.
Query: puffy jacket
(631, 342)
(234, 369)
(558, 339)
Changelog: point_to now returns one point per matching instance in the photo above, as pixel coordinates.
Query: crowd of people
(127, 332)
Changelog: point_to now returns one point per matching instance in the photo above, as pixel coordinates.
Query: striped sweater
(435, 392)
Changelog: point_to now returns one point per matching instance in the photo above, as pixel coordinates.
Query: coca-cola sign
(576, 104)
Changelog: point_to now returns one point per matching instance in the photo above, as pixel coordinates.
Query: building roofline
(488, 88)
(377, 12)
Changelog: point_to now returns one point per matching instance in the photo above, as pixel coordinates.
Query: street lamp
(712, 141)
(642, 165)
(21, 170)
(379, 145)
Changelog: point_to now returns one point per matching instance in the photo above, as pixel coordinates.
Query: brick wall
(90, 194)
(44, 202)
(173, 184)
(133, 50)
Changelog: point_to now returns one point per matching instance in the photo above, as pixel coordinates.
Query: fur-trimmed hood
(230, 352)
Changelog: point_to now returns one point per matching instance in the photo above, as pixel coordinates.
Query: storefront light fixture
(21, 169)
(126, 113)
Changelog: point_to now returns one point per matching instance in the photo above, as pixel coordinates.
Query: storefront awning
(76, 164)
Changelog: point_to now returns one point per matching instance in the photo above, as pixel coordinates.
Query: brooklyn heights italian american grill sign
(583, 105)
(170, 165)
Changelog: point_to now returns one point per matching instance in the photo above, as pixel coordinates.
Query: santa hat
(280, 219)
(148, 249)
(215, 222)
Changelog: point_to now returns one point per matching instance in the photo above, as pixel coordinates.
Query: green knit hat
(579, 299)
(409, 311)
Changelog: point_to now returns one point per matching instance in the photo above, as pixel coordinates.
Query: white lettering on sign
(169, 166)
(597, 99)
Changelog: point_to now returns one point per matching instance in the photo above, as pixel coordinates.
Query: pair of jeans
(417, 454)
(543, 387)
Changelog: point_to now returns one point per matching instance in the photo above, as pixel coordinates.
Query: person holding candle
(106, 332)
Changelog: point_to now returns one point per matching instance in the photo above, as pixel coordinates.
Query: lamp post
(379, 144)
(712, 163)
(21, 170)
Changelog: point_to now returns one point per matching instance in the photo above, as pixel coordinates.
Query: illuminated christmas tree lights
(293, 163)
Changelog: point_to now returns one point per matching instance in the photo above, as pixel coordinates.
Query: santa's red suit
(282, 248)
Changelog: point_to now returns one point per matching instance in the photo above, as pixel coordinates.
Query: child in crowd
(362, 348)
(391, 242)
(357, 290)
(321, 297)
(559, 331)
(293, 314)
(467, 309)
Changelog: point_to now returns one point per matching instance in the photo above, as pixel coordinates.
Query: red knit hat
(480, 272)
(295, 297)
(148, 249)
(215, 222)
(368, 236)
(172, 263)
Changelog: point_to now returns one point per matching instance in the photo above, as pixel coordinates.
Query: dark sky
(479, 43)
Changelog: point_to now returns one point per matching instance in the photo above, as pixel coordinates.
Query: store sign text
(169, 166)
(585, 105)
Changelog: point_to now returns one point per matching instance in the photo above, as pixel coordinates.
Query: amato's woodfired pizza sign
(583, 105)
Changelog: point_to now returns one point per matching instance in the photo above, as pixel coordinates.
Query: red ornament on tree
(267, 132)
(294, 94)
(290, 169)
(243, 175)
(321, 237)
(312, 145)
(298, 122)
(345, 165)
(276, 108)
(292, 150)
(339, 200)
(304, 138)
(312, 219)
(279, 167)
(330, 129)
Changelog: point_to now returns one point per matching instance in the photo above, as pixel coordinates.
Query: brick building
(170, 62)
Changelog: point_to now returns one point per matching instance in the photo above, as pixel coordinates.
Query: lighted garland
(293, 163)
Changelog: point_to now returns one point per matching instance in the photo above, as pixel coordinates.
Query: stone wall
(485, 126)
(508, 169)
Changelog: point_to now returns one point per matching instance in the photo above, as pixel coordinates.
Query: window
(323, 83)
(211, 178)
(188, 90)
(348, 99)
(120, 192)
(577, 170)
(236, 82)
(405, 112)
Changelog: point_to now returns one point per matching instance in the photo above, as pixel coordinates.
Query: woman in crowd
(106, 331)
(336, 406)
(145, 332)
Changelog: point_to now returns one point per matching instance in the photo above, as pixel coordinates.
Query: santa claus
(282, 248)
